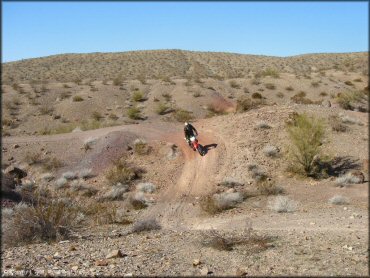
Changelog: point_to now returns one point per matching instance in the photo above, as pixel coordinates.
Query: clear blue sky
(281, 29)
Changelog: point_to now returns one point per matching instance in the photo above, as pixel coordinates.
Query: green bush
(183, 115)
(349, 99)
(245, 104)
(134, 113)
(306, 135)
(97, 116)
(138, 96)
(121, 172)
(162, 108)
(268, 72)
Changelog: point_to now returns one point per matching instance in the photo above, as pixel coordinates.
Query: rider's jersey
(190, 131)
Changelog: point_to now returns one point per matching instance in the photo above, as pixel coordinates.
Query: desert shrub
(97, 116)
(61, 183)
(117, 81)
(162, 108)
(357, 80)
(306, 135)
(69, 175)
(46, 109)
(234, 84)
(349, 120)
(338, 200)
(323, 94)
(146, 187)
(50, 219)
(113, 116)
(89, 143)
(268, 72)
(78, 186)
(271, 151)
(280, 95)
(197, 94)
(33, 158)
(85, 173)
(257, 173)
(167, 96)
(262, 125)
(141, 147)
(245, 104)
(349, 83)
(315, 84)
(77, 98)
(115, 193)
(134, 113)
(348, 100)
(347, 179)
(289, 88)
(47, 177)
(138, 96)
(219, 202)
(266, 187)
(103, 213)
(138, 201)
(182, 115)
(52, 164)
(65, 95)
(146, 225)
(282, 204)
(270, 86)
(230, 182)
(257, 96)
(336, 124)
(121, 172)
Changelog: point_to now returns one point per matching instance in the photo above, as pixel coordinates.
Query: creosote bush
(182, 115)
(141, 147)
(306, 135)
(77, 98)
(134, 113)
(122, 172)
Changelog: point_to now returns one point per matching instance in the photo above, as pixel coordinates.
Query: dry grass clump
(87, 191)
(115, 193)
(51, 218)
(219, 202)
(289, 88)
(268, 72)
(113, 116)
(182, 115)
(104, 213)
(315, 84)
(89, 143)
(122, 172)
(197, 94)
(347, 180)
(306, 135)
(270, 86)
(138, 96)
(227, 242)
(338, 200)
(282, 204)
(162, 109)
(257, 173)
(230, 182)
(257, 96)
(134, 113)
(234, 84)
(348, 82)
(65, 95)
(52, 164)
(336, 124)
(46, 110)
(267, 187)
(146, 187)
(77, 98)
(350, 100)
(141, 147)
(138, 201)
(85, 173)
(146, 225)
(33, 158)
(167, 96)
(97, 116)
(301, 99)
(117, 81)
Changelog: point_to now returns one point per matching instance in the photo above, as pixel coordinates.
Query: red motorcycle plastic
(196, 146)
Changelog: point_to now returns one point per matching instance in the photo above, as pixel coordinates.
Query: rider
(189, 131)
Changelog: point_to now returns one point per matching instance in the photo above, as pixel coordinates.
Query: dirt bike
(193, 142)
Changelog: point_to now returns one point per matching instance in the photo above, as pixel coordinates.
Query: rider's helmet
(186, 123)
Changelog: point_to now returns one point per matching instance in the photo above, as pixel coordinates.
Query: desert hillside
(172, 63)
(97, 178)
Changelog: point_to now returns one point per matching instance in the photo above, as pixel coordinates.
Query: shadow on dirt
(206, 148)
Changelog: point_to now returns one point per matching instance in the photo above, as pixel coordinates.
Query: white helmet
(186, 123)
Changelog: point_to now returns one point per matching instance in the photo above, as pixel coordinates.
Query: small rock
(114, 254)
(74, 268)
(15, 146)
(101, 263)
(345, 208)
(196, 262)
